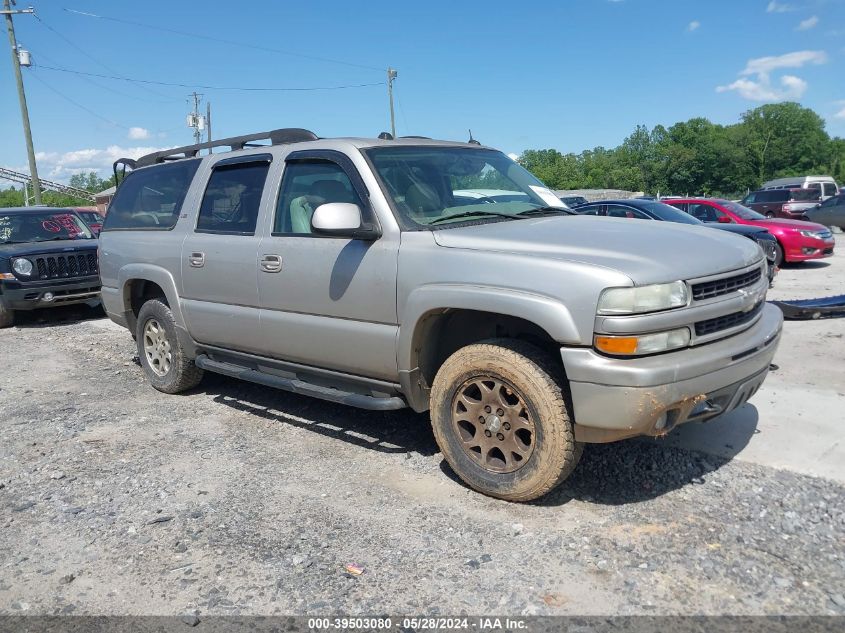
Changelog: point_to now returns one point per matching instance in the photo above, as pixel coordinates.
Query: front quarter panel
(558, 296)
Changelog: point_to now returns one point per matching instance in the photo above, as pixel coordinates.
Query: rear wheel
(162, 357)
(769, 214)
(500, 417)
(7, 316)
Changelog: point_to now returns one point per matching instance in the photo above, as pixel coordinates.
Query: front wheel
(779, 257)
(162, 357)
(500, 417)
(769, 214)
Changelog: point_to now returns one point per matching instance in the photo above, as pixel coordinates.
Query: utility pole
(196, 120)
(16, 64)
(208, 123)
(391, 75)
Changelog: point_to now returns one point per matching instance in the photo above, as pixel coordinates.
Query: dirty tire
(540, 385)
(181, 373)
(7, 316)
(779, 258)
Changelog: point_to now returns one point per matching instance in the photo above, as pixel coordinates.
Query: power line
(77, 104)
(91, 57)
(223, 41)
(110, 89)
(204, 87)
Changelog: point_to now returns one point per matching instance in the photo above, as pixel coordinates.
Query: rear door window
(151, 198)
(232, 198)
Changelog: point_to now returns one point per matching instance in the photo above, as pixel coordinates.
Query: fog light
(48, 297)
(808, 251)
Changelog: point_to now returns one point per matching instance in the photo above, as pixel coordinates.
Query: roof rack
(281, 136)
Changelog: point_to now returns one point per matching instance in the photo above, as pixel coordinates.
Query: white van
(825, 185)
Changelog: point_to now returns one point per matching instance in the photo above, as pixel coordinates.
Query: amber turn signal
(617, 345)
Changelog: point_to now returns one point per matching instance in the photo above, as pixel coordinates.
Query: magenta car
(798, 240)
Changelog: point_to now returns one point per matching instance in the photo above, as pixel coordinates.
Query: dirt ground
(236, 499)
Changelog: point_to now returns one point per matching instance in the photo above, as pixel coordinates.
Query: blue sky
(566, 74)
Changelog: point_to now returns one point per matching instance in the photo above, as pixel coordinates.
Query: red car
(798, 240)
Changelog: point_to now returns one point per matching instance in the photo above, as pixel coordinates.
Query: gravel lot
(235, 499)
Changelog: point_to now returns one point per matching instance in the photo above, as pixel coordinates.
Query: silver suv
(348, 269)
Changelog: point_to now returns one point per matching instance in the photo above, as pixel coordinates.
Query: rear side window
(804, 195)
(232, 199)
(151, 198)
(829, 189)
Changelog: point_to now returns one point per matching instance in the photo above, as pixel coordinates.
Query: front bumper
(618, 398)
(809, 248)
(29, 296)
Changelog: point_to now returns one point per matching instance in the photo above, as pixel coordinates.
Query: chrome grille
(66, 265)
(727, 321)
(719, 287)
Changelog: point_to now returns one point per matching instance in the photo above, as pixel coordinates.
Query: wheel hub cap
(157, 348)
(493, 424)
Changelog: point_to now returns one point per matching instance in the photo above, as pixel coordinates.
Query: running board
(300, 387)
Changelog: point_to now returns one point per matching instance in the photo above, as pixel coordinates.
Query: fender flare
(545, 312)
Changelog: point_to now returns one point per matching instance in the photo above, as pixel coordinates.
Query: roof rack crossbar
(276, 137)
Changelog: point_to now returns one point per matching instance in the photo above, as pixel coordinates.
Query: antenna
(471, 140)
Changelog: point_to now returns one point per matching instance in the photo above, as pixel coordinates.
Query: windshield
(668, 213)
(744, 212)
(430, 185)
(41, 227)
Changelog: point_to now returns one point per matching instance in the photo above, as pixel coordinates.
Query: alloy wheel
(157, 348)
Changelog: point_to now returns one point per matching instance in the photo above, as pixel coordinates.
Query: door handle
(196, 260)
(271, 263)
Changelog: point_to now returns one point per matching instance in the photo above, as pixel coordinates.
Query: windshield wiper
(469, 214)
(546, 211)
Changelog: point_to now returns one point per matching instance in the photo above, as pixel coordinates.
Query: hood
(796, 225)
(739, 229)
(645, 251)
(39, 248)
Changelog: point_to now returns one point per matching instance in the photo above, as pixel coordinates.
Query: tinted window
(232, 198)
(804, 195)
(703, 212)
(151, 198)
(305, 186)
(750, 198)
(829, 189)
(619, 211)
(668, 213)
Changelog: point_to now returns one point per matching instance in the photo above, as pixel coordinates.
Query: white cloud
(692, 26)
(765, 65)
(779, 7)
(841, 113)
(809, 23)
(138, 133)
(62, 165)
(755, 82)
(762, 90)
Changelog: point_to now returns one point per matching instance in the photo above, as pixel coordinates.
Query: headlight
(22, 267)
(644, 344)
(809, 234)
(643, 298)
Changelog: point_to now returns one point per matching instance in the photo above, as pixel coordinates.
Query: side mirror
(342, 219)
(723, 219)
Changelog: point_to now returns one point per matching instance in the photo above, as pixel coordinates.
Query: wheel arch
(437, 321)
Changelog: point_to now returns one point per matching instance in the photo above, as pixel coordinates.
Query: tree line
(14, 196)
(698, 157)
